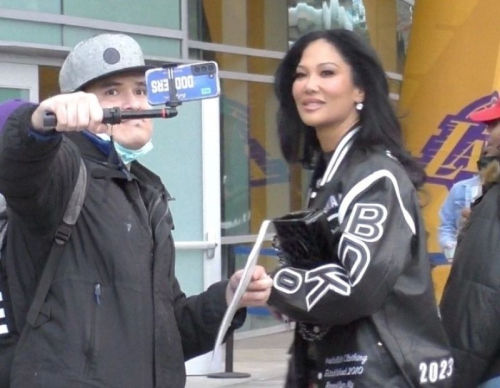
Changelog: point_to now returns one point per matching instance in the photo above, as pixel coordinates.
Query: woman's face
(323, 90)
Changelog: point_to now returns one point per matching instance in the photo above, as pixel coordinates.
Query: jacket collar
(339, 155)
(111, 166)
(90, 148)
(319, 181)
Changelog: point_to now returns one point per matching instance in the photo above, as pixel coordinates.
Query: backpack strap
(62, 236)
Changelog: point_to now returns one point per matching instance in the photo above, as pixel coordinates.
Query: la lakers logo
(451, 154)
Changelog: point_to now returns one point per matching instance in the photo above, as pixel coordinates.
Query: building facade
(219, 159)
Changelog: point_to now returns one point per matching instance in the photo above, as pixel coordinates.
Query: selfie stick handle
(116, 115)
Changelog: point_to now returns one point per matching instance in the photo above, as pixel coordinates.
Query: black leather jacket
(369, 319)
(470, 307)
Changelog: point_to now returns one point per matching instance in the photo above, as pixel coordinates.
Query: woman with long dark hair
(364, 303)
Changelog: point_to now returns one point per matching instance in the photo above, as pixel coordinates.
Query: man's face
(492, 147)
(126, 91)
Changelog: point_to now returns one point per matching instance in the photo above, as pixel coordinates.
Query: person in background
(115, 315)
(366, 316)
(454, 210)
(470, 307)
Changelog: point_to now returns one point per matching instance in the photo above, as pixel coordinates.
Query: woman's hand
(257, 292)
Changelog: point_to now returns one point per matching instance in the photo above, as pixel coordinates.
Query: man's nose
(133, 101)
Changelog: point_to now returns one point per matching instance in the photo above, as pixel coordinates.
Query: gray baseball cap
(100, 56)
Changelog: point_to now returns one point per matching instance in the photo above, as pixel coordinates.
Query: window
(259, 24)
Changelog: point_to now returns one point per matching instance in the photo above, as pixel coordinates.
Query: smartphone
(196, 81)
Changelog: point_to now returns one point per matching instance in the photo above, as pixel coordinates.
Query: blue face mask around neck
(126, 154)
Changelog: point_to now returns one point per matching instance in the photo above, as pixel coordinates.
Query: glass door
(18, 81)
(186, 156)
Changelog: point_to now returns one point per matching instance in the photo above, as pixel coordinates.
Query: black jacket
(470, 306)
(369, 319)
(115, 315)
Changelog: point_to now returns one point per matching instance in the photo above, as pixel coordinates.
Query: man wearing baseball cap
(114, 315)
(470, 306)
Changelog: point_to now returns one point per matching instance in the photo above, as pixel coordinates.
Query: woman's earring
(359, 106)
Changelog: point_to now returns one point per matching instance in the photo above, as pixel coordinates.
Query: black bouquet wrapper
(306, 239)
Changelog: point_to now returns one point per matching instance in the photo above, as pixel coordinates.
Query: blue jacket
(461, 195)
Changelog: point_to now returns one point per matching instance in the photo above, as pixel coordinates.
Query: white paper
(240, 290)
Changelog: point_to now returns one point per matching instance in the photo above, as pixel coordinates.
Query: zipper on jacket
(121, 166)
(126, 172)
(162, 196)
(97, 292)
(90, 353)
(150, 213)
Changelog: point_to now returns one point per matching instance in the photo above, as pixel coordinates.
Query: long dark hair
(380, 127)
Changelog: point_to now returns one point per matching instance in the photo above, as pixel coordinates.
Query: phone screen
(195, 81)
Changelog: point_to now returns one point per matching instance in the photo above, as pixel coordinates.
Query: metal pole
(229, 373)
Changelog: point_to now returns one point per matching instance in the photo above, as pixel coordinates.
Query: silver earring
(359, 106)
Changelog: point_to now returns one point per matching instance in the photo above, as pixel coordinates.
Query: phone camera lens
(196, 69)
(211, 67)
(203, 68)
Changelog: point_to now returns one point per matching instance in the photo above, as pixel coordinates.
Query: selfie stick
(116, 115)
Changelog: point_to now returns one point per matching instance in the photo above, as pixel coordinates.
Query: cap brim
(126, 70)
(486, 115)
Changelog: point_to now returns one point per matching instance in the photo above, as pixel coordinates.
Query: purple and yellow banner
(452, 68)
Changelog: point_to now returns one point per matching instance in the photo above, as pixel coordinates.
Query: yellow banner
(452, 68)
